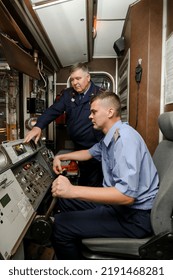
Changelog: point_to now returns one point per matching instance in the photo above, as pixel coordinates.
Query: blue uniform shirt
(79, 126)
(127, 165)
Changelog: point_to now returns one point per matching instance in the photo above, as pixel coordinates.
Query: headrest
(165, 121)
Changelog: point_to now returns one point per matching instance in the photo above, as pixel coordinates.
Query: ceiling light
(44, 4)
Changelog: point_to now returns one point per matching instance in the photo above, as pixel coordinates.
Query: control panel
(26, 175)
(17, 151)
(15, 213)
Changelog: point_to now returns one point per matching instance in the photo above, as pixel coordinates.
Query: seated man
(122, 206)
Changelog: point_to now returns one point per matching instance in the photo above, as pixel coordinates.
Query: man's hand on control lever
(34, 133)
(62, 187)
(57, 165)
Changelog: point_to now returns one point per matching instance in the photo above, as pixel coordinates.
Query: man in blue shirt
(74, 101)
(121, 208)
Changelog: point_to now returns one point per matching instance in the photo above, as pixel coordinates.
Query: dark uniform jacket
(80, 128)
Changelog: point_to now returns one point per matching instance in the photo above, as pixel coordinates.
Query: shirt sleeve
(96, 151)
(126, 166)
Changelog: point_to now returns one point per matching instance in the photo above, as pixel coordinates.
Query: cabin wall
(143, 35)
(169, 17)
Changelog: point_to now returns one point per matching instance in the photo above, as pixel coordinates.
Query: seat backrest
(162, 211)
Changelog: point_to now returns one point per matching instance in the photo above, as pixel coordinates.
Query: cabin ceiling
(67, 31)
(110, 17)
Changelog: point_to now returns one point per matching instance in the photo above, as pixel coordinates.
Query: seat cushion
(114, 246)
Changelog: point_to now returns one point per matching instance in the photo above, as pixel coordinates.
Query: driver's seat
(160, 245)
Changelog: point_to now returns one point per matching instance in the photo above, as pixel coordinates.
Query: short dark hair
(79, 65)
(115, 100)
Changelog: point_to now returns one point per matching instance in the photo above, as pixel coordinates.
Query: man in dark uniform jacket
(75, 102)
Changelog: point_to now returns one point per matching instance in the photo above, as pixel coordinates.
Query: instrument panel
(17, 150)
(26, 175)
(15, 213)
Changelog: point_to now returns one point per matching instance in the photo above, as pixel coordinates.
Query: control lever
(41, 227)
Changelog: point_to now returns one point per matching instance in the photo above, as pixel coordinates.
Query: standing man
(75, 102)
(121, 208)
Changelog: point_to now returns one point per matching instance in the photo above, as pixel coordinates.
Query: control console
(26, 175)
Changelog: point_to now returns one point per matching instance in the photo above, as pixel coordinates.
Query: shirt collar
(83, 93)
(108, 137)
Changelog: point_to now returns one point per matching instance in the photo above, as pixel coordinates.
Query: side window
(103, 80)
